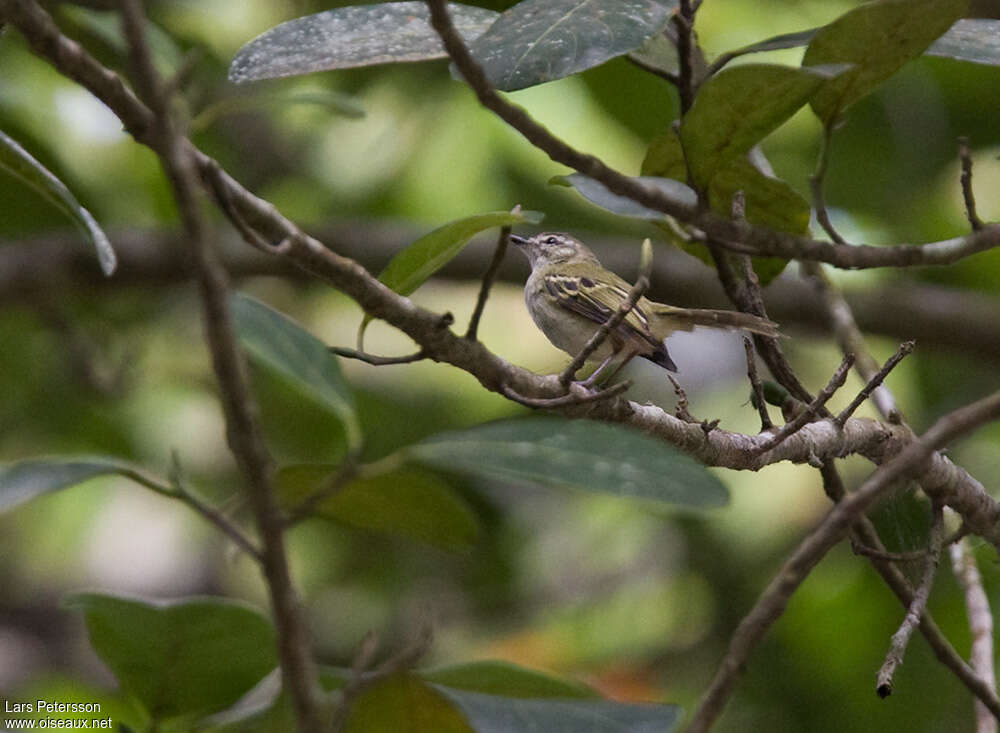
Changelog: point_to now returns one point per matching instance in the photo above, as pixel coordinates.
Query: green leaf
(976, 40)
(19, 163)
(596, 193)
(405, 703)
(777, 43)
(22, 481)
(503, 678)
(540, 40)
(180, 657)
(357, 35)
(737, 108)
(580, 454)
(770, 202)
(658, 53)
(497, 714)
(409, 269)
(281, 345)
(878, 38)
(408, 501)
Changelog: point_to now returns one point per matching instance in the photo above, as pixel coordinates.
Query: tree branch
(977, 607)
(299, 673)
(915, 612)
(729, 234)
(811, 410)
(832, 528)
(943, 480)
(864, 531)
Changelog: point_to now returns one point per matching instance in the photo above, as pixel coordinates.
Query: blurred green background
(640, 605)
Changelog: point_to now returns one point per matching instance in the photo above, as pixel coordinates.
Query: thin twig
(816, 183)
(566, 400)
(684, 23)
(213, 175)
(490, 275)
(662, 73)
(811, 410)
(222, 522)
(758, 389)
(681, 410)
(362, 680)
(977, 607)
(912, 556)
(345, 472)
(378, 360)
(864, 532)
(746, 296)
(242, 429)
(901, 638)
(904, 349)
(602, 333)
(851, 340)
(772, 602)
(967, 194)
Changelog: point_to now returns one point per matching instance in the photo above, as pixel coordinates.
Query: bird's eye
(550, 240)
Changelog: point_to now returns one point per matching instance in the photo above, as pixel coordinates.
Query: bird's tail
(684, 319)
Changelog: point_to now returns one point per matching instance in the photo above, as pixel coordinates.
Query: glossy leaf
(22, 165)
(405, 703)
(408, 501)
(537, 41)
(657, 53)
(411, 268)
(737, 108)
(22, 481)
(579, 454)
(498, 714)
(357, 35)
(770, 202)
(976, 40)
(777, 43)
(281, 345)
(503, 678)
(182, 657)
(877, 38)
(596, 193)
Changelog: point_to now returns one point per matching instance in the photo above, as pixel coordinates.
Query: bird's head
(550, 248)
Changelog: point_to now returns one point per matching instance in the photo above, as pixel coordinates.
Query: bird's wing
(597, 300)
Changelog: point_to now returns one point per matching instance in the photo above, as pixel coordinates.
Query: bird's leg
(592, 379)
(629, 357)
(589, 381)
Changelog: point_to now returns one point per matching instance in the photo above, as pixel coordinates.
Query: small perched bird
(570, 294)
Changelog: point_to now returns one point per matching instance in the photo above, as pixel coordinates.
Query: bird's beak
(519, 241)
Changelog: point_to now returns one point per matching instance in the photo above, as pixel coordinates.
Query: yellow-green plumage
(570, 294)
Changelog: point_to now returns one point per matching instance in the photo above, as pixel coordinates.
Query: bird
(569, 295)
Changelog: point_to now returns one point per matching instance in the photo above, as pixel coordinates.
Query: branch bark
(943, 480)
(299, 673)
(811, 550)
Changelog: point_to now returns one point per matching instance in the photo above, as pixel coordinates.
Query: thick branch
(864, 531)
(739, 235)
(943, 480)
(811, 550)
